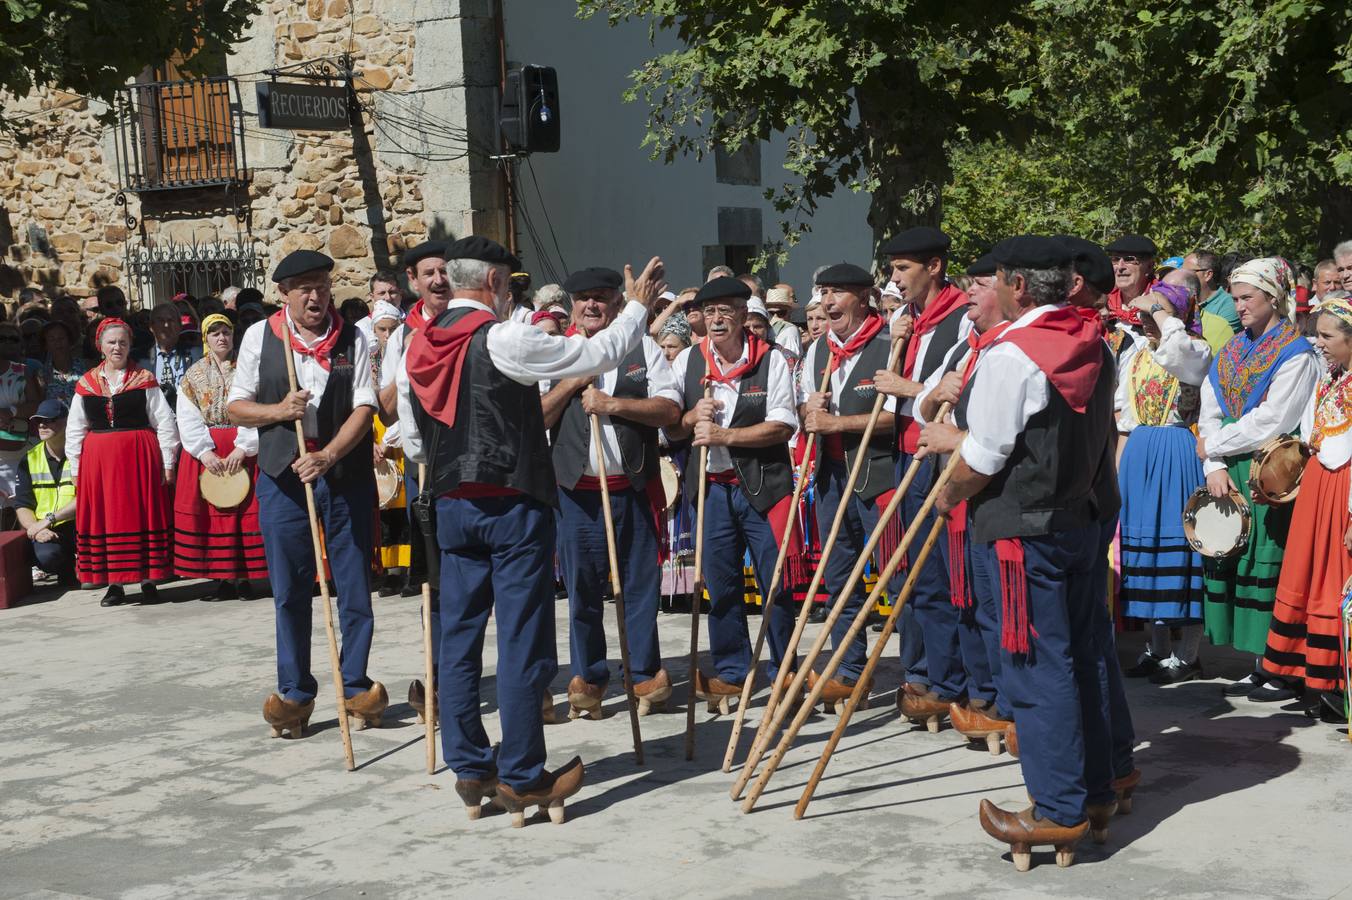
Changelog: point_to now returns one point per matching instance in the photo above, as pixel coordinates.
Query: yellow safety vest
(50, 494)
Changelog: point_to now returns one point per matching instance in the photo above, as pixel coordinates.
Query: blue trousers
(1056, 690)
(732, 526)
(979, 628)
(345, 509)
(56, 557)
(935, 613)
(496, 559)
(586, 575)
(855, 528)
(1119, 714)
(909, 636)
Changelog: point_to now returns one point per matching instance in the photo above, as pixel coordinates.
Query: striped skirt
(1161, 574)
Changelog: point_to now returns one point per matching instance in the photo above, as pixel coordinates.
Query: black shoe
(411, 591)
(1244, 686)
(818, 614)
(1174, 670)
(1332, 708)
(149, 593)
(225, 590)
(1273, 691)
(1146, 665)
(245, 589)
(115, 596)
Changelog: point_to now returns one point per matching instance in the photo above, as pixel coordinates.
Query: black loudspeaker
(530, 110)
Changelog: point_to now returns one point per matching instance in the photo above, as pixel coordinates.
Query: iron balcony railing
(181, 134)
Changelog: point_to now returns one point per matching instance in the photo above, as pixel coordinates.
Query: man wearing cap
(334, 400)
(45, 498)
(780, 301)
(167, 360)
(1133, 261)
(746, 423)
(632, 401)
(856, 346)
(425, 268)
(938, 309)
(1038, 415)
(468, 392)
(1216, 299)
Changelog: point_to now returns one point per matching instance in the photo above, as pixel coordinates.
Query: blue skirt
(1161, 573)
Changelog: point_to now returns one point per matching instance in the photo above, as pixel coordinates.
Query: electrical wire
(544, 208)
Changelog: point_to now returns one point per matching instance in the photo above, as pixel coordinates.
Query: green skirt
(1241, 589)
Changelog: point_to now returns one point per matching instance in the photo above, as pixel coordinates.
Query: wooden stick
(777, 691)
(343, 728)
(768, 600)
(430, 692)
(697, 594)
(615, 588)
(860, 688)
(860, 620)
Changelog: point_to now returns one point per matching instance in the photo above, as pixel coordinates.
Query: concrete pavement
(135, 764)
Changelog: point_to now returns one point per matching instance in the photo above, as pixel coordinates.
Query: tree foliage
(92, 47)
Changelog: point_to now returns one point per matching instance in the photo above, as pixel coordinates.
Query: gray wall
(609, 202)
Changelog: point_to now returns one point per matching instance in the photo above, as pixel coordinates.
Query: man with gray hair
(1342, 260)
(718, 272)
(551, 295)
(1325, 279)
(229, 296)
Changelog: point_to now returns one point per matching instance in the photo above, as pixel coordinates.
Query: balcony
(175, 135)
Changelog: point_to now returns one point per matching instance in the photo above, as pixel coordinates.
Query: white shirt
(1182, 355)
(393, 360)
(1132, 344)
(958, 350)
(158, 413)
(310, 375)
(1007, 389)
(521, 314)
(965, 327)
(1279, 412)
(661, 384)
(527, 355)
(788, 337)
(807, 375)
(196, 436)
(779, 396)
(366, 327)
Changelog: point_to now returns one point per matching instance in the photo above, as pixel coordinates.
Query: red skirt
(1303, 639)
(211, 542)
(122, 526)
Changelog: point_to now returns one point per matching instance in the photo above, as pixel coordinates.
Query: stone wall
(356, 196)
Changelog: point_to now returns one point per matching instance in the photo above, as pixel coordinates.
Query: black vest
(1050, 480)
(765, 473)
(128, 408)
(572, 440)
(499, 432)
(277, 442)
(879, 472)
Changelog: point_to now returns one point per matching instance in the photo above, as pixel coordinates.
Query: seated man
(45, 498)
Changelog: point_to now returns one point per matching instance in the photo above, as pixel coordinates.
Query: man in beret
(468, 393)
(936, 310)
(334, 401)
(1038, 411)
(632, 401)
(1206, 265)
(746, 421)
(854, 348)
(1133, 260)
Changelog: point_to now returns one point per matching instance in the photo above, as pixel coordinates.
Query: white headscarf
(385, 310)
(1271, 275)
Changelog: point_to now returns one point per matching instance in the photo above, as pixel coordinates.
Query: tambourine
(387, 483)
(1216, 527)
(224, 491)
(1274, 476)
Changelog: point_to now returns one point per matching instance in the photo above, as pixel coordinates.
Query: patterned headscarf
(1272, 276)
(384, 310)
(677, 325)
(1338, 306)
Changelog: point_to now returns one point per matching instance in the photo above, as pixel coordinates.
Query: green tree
(92, 47)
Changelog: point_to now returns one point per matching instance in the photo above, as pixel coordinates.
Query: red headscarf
(320, 351)
(436, 359)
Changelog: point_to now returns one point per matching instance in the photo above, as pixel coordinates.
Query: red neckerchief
(978, 343)
(755, 352)
(436, 359)
(319, 351)
(867, 332)
(136, 379)
(949, 299)
(1091, 315)
(1125, 312)
(416, 319)
(572, 330)
(1066, 348)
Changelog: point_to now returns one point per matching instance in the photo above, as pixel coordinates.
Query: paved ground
(135, 764)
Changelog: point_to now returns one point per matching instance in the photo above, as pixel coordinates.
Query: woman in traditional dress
(209, 542)
(1304, 642)
(61, 365)
(121, 441)
(1258, 387)
(1159, 470)
(392, 549)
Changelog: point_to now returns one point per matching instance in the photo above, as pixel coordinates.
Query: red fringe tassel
(960, 591)
(1014, 594)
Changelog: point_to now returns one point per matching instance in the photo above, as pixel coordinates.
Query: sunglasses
(1124, 259)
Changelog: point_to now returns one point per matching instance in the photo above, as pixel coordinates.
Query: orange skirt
(1303, 641)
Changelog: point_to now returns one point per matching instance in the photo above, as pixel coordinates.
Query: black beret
(1030, 251)
(984, 265)
(426, 249)
(593, 278)
(723, 287)
(1090, 262)
(846, 275)
(299, 262)
(1134, 245)
(484, 250)
(920, 241)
